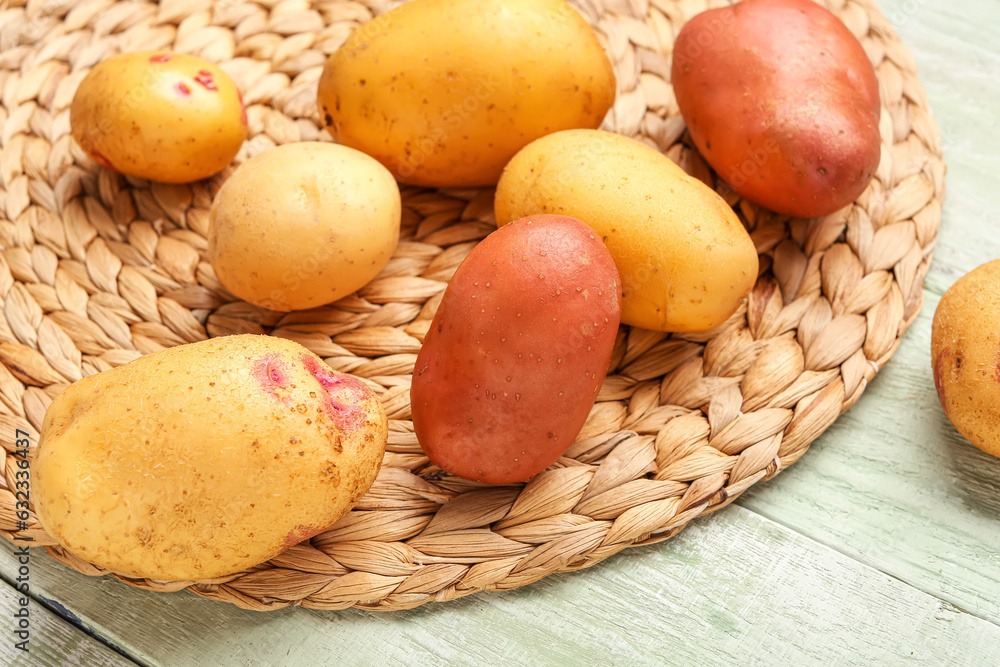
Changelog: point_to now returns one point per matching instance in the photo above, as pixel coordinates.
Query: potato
(685, 260)
(444, 92)
(781, 99)
(202, 460)
(517, 351)
(965, 349)
(164, 116)
(303, 224)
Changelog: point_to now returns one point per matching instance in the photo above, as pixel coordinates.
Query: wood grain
(733, 589)
(885, 539)
(53, 641)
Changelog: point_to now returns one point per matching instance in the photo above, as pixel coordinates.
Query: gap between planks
(54, 641)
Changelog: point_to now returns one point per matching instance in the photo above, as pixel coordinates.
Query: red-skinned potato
(781, 99)
(517, 351)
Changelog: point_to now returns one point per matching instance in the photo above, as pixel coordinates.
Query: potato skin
(159, 115)
(781, 99)
(685, 259)
(434, 92)
(204, 459)
(302, 225)
(517, 351)
(965, 352)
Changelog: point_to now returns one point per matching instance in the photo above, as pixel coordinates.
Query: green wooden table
(880, 547)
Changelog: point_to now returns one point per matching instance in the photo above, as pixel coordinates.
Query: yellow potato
(205, 459)
(444, 92)
(303, 224)
(685, 259)
(965, 349)
(164, 116)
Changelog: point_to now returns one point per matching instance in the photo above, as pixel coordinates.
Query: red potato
(517, 350)
(781, 99)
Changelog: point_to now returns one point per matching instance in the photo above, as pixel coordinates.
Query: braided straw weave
(97, 269)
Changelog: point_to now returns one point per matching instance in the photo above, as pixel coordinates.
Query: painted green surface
(49, 639)
(880, 547)
(892, 484)
(734, 588)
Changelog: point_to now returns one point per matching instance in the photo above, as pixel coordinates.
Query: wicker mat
(97, 269)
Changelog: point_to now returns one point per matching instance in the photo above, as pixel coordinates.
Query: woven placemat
(97, 269)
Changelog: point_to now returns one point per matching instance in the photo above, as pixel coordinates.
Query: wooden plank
(733, 588)
(892, 483)
(51, 640)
